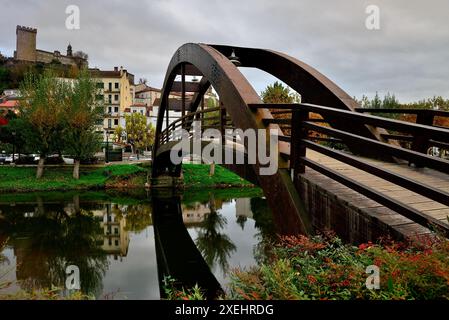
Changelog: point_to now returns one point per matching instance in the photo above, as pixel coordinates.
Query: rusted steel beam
(236, 93)
(183, 92)
(190, 70)
(313, 86)
(189, 86)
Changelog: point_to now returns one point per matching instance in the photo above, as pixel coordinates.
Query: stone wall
(26, 44)
(350, 220)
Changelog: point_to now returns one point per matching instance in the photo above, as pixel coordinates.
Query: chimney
(116, 69)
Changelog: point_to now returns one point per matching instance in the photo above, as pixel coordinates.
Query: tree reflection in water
(216, 247)
(47, 237)
(47, 240)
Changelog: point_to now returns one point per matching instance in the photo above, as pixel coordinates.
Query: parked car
(54, 159)
(3, 158)
(68, 160)
(26, 159)
(9, 158)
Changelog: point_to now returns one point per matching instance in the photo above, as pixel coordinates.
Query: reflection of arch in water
(177, 254)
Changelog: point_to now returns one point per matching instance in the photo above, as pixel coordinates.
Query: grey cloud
(408, 56)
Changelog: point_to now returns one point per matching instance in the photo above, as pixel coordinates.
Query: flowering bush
(322, 267)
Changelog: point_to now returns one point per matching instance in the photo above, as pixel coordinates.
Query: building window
(110, 86)
(109, 123)
(115, 109)
(99, 97)
(116, 85)
(141, 111)
(116, 97)
(116, 230)
(116, 242)
(100, 85)
(116, 122)
(110, 109)
(110, 98)
(134, 111)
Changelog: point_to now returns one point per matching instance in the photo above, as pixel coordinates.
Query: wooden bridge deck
(383, 214)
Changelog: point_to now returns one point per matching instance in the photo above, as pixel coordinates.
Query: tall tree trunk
(212, 169)
(40, 167)
(76, 169)
(76, 203)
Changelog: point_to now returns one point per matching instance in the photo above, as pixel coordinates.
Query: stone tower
(26, 44)
(69, 50)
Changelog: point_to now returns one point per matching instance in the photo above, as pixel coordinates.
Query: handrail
(434, 112)
(300, 141)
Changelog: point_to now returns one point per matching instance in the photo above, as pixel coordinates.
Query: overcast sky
(408, 56)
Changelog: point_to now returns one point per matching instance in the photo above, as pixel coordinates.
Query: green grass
(197, 175)
(22, 179)
(60, 178)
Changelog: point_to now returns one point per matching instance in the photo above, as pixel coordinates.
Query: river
(123, 244)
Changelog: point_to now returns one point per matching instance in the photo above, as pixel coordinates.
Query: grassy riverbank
(22, 179)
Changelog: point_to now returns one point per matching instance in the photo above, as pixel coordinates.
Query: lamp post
(107, 138)
(13, 146)
(107, 147)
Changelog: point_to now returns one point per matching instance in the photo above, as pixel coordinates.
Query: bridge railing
(301, 124)
(429, 117)
(210, 118)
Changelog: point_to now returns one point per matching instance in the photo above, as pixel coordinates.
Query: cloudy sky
(408, 56)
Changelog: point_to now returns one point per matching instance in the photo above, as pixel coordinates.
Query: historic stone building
(26, 50)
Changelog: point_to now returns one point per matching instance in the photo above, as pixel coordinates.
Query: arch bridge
(332, 155)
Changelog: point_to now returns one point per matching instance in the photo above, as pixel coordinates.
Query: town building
(27, 51)
(116, 89)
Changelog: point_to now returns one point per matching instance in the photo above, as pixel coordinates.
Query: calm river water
(122, 243)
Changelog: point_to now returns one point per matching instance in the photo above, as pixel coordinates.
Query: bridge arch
(236, 94)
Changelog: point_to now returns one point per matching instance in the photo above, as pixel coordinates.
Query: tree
(82, 113)
(42, 109)
(118, 133)
(140, 134)
(277, 93)
(81, 54)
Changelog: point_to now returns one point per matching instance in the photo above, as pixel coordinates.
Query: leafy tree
(118, 133)
(42, 108)
(81, 54)
(82, 113)
(140, 134)
(277, 93)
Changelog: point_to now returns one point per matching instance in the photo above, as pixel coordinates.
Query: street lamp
(107, 138)
(107, 147)
(234, 59)
(13, 147)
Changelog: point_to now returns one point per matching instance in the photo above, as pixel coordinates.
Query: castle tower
(26, 44)
(69, 50)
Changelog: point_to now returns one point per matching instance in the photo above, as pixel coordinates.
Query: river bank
(120, 176)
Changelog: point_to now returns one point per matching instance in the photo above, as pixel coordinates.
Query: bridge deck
(396, 221)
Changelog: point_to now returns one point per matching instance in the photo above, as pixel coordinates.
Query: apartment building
(116, 89)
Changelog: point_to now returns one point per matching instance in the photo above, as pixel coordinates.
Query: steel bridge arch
(236, 93)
